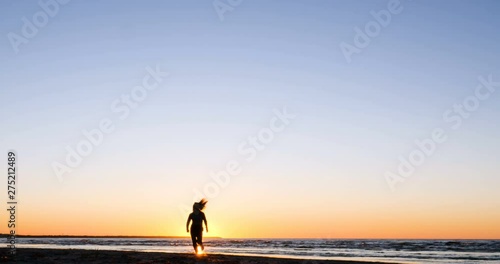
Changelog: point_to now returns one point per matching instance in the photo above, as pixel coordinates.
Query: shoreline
(42, 256)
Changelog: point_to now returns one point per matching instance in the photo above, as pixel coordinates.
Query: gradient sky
(322, 177)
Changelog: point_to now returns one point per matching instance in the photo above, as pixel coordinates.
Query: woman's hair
(200, 205)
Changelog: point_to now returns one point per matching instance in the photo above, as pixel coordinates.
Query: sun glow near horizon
(300, 222)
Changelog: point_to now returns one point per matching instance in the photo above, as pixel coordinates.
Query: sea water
(398, 251)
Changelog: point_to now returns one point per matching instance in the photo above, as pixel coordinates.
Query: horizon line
(217, 237)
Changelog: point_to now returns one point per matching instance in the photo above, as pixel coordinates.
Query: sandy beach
(55, 256)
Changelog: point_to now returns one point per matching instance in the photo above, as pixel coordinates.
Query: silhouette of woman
(197, 216)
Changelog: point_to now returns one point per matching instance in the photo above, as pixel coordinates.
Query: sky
(305, 139)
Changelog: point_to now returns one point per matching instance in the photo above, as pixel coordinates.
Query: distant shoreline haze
(83, 236)
(217, 237)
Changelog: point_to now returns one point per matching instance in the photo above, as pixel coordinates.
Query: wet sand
(56, 256)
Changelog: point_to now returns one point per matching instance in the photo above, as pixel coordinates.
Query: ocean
(398, 251)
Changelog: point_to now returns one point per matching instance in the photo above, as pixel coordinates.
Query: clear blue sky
(353, 119)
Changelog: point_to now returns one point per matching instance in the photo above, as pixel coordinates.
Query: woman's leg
(193, 239)
(201, 239)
